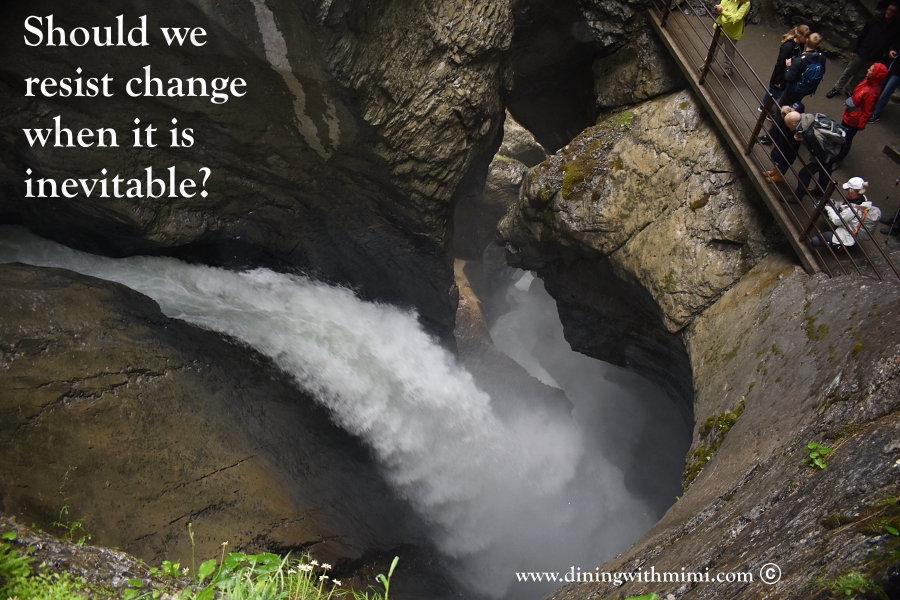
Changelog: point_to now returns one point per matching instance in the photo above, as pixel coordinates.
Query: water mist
(533, 491)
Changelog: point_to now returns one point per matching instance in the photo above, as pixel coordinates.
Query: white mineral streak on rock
(276, 54)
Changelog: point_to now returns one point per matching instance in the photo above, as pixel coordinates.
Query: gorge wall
(650, 207)
(360, 127)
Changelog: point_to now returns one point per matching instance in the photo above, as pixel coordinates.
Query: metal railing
(695, 44)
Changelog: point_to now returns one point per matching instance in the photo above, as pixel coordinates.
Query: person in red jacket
(859, 106)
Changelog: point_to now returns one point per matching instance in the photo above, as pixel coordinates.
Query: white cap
(856, 183)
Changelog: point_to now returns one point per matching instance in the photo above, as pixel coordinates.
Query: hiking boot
(890, 230)
(874, 119)
(765, 140)
(832, 93)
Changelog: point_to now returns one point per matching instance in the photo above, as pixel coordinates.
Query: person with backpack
(859, 106)
(851, 220)
(824, 139)
(880, 33)
(804, 73)
(791, 46)
(731, 20)
(785, 151)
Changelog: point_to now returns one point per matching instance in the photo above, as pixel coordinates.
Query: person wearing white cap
(850, 219)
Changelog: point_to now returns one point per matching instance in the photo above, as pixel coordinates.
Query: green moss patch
(713, 432)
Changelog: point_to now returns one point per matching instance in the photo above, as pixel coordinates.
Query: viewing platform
(732, 104)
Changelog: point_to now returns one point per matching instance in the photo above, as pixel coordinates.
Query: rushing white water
(530, 492)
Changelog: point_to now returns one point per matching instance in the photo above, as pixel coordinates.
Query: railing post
(666, 12)
(819, 209)
(767, 108)
(709, 55)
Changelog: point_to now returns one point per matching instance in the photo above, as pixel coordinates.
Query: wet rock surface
(814, 360)
(360, 127)
(142, 424)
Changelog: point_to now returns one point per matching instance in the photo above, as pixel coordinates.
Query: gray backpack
(824, 136)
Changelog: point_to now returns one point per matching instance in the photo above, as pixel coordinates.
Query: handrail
(739, 121)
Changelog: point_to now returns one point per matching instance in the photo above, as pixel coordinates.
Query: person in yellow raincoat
(731, 20)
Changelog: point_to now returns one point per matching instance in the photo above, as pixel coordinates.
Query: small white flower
(314, 562)
(185, 571)
(225, 543)
(337, 582)
(326, 566)
(323, 577)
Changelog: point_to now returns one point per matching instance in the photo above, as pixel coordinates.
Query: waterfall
(528, 492)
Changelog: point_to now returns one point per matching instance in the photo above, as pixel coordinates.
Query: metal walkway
(732, 103)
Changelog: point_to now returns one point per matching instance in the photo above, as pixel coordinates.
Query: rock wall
(838, 22)
(651, 196)
(642, 69)
(575, 59)
(650, 206)
(361, 126)
(143, 424)
(800, 359)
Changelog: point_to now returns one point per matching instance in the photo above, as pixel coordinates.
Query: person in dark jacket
(796, 68)
(872, 44)
(860, 105)
(791, 46)
(785, 151)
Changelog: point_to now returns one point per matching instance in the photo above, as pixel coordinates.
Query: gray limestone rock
(642, 69)
(519, 144)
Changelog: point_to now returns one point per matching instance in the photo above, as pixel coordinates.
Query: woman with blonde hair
(731, 19)
(792, 44)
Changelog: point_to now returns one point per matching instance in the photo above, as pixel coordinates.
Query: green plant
(74, 530)
(650, 596)
(17, 580)
(817, 454)
(234, 576)
(853, 584)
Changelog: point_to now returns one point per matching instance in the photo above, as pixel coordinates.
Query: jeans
(776, 93)
(889, 86)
